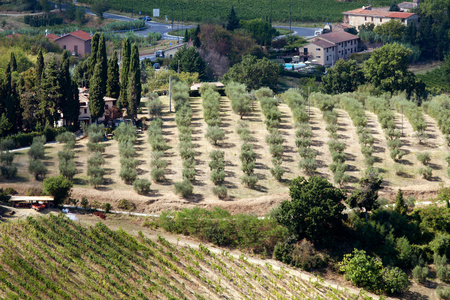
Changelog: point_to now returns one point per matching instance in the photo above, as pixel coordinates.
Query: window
(355, 49)
(85, 110)
(327, 58)
(345, 44)
(365, 18)
(381, 20)
(64, 47)
(75, 49)
(305, 50)
(317, 49)
(328, 49)
(106, 106)
(318, 56)
(372, 19)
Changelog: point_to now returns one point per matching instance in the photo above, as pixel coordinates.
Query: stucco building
(77, 42)
(327, 48)
(85, 114)
(367, 14)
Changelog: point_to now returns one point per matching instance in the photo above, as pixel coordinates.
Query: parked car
(147, 18)
(160, 53)
(38, 207)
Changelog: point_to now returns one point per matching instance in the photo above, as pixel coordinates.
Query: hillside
(53, 257)
(206, 10)
(268, 192)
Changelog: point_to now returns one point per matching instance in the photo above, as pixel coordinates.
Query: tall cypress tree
(70, 106)
(233, 21)
(101, 58)
(39, 67)
(134, 83)
(123, 99)
(96, 101)
(196, 41)
(49, 95)
(186, 36)
(13, 62)
(10, 98)
(113, 84)
(93, 57)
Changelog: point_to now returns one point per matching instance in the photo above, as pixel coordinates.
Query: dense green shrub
(426, 173)
(220, 191)
(184, 188)
(141, 186)
(240, 100)
(126, 204)
(37, 168)
(420, 274)
(277, 171)
(214, 134)
(154, 107)
(443, 293)
(67, 168)
(158, 175)
(128, 174)
(249, 181)
(57, 186)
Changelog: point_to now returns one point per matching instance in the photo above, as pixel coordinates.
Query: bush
(126, 204)
(158, 163)
(305, 257)
(443, 273)
(395, 281)
(67, 168)
(217, 176)
(424, 157)
(277, 171)
(129, 163)
(184, 188)
(37, 168)
(95, 181)
(36, 151)
(189, 173)
(443, 293)
(95, 147)
(420, 274)
(142, 186)
(276, 150)
(215, 134)
(84, 203)
(59, 187)
(426, 173)
(106, 207)
(158, 175)
(96, 159)
(309, 165)
(67, 138)
(154, 107)
(220, 191)
(249, 181)
(8, 171)
(128, 174)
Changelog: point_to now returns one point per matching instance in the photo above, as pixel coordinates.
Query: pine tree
(39, 67)
(123, 99)
(101, 57)
(13, 62)
(196, 41)
(186, 36)
(92, 62)
(233, 21)
(400, 205)
(134, 83)
(49, 95)
(113, 84)
(96, 101)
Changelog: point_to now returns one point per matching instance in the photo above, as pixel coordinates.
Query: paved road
(301, 31)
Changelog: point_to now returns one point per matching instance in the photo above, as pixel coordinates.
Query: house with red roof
(327, 48)
(377, 16)
(14, 35)
(77, 42)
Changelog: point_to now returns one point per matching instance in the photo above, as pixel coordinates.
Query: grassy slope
(53, 257)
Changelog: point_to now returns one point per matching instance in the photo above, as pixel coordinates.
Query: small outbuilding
(27, 201)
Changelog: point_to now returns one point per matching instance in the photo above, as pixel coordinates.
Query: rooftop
(338, 37)
(52, 36)
(400, 15)
(369, 12)
(323, 44)
(79, 34)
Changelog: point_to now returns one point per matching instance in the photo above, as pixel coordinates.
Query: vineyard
(205, 10)
(240, 152)
(53, 257)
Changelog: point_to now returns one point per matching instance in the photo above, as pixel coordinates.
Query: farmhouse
(327, 48)
(77, 42)
(85, 114)
(367, 14)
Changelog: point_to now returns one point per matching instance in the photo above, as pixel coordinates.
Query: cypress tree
(400, 205)
(39, 67)
(113, 84)
(123, 99)
(96, 101)
(233, 21)
(70, 106)
(13, 62)
(101, 57)
(196, 41)
(93, 57)
(49, 95)
(11, 101)
(186, 36)
(134, 83)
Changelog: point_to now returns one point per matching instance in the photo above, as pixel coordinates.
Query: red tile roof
(323, 44)
(13, 35)
(81, 34)
(400, 15)
(52, 36)
(338, 37)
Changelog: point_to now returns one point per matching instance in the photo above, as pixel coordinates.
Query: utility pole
(402, 121)
(170, 93)
(309, 103)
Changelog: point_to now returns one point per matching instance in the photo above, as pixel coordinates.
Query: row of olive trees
(126, 135)
(96, 147)
(66, 156)
(7, 168)
(159, 146)
(240, 99)
(36, 153)
(357, 113)
(269, 106)
(303, 134)
(439, 109)
(386, 118)
(211, 114)
(183, 118)
(338, 167)
(414, 115)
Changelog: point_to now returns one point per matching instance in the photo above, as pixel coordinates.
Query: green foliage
(420, 274)
(106, 207)
(158, 175)
(249, 180)
(314, 211)
(395, 281)
(215, 134)
(57, 186)
(184, 188)
(240, 100)
(37, 168)
(126, 204)
(345, 76)
(187, 59)
(426, 173)
(424, 157)
(128, 175)
(443, 293)
(220, 191)
(400, 206)
(154, 107)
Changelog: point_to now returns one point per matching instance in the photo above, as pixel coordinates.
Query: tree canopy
(262, 31)
(232, 20)
(344, 77)
(189, 61)
(314, 211)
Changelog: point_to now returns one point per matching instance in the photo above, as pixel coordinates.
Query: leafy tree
(37, 168)
(393, 28)
(254, 73)
(344, 77)
(367, 195)
(57, 186)
(124, 75)
(232, 20)
(400, 205)
(394, 7)
(314, 211)
(262, 31)
(188, 60)
(387, 69)
(134, 83)
(100, 7)
(96, 100)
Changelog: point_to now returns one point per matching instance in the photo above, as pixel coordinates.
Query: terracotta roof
(400, 15)
(367, 12)
(13, 35)
(79, 34)
(52, 36)
(323, 44)
(338, 37)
